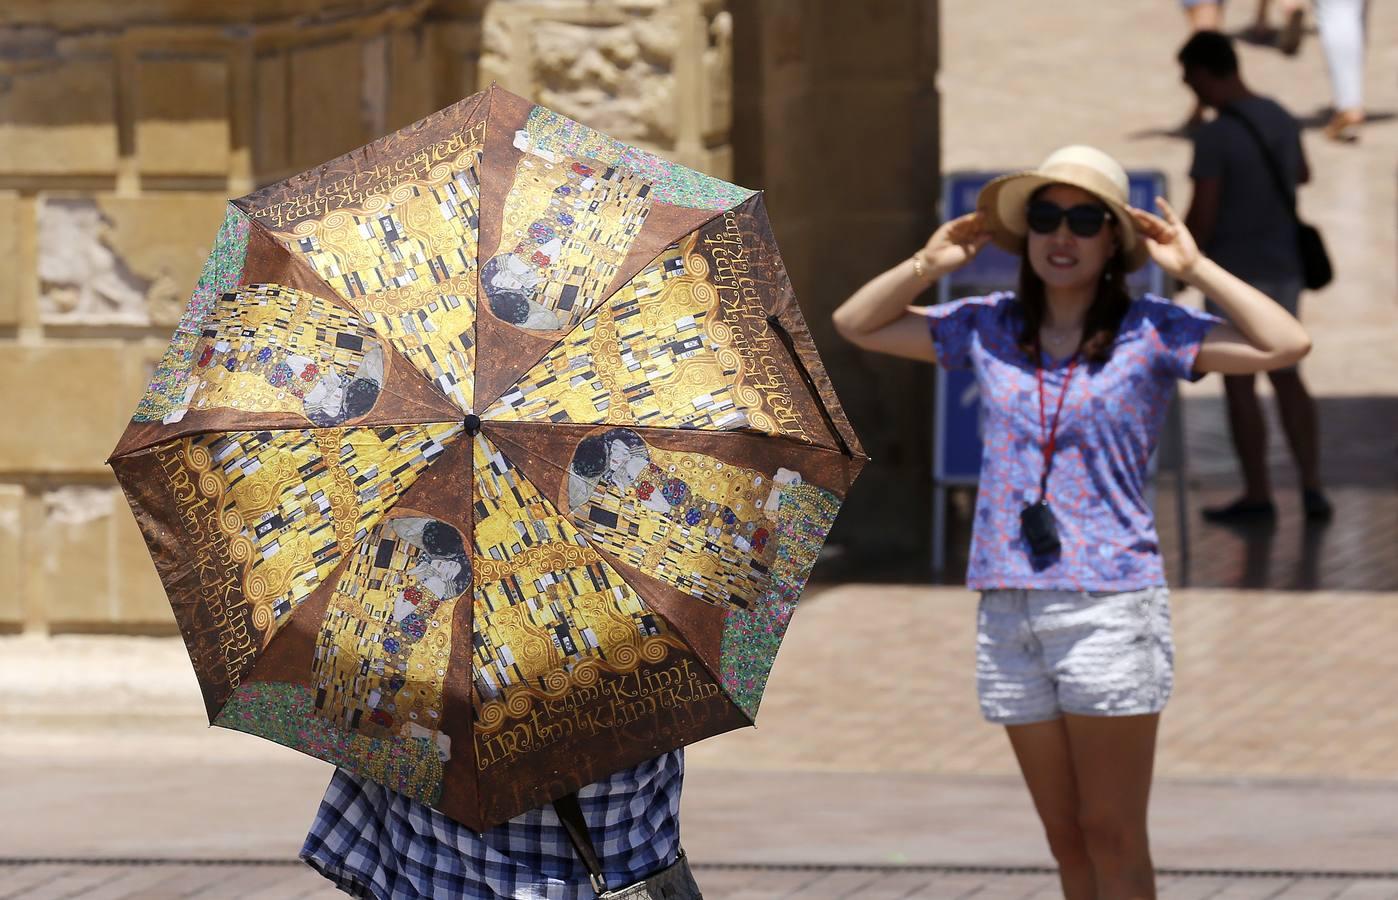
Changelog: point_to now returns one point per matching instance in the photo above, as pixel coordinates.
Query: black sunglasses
(1084, 220)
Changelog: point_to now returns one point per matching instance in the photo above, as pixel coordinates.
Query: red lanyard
(1051, 433)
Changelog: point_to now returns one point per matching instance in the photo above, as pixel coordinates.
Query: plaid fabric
(374, 843)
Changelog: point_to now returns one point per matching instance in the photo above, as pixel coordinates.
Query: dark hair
(1210, 51)
(508, 305)
(442, 541)
(360, 397)
(1103, 317)
(590, 459)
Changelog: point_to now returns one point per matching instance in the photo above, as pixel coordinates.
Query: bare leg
(1342, 25)
(1205, 16)
(1299, 421)
(1044, 759)
(1249, 430)
(1261, 27)
(1114, 758)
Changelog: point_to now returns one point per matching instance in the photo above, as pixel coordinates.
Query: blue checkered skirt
(374, 843)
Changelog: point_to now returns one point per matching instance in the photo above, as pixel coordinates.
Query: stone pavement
(285, 882)
(1279, 753)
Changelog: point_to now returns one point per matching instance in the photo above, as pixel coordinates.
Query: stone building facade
(125, 126)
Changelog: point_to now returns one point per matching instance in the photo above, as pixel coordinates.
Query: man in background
(1243, 221)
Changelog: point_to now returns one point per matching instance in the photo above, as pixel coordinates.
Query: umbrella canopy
(488, 459)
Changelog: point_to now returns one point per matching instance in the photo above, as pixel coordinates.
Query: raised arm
(877, 316)
(1259, 336)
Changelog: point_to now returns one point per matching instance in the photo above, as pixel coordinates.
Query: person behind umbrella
(1074, 652)
(374, 842)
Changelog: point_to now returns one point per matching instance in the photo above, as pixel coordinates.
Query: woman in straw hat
(1074, 653)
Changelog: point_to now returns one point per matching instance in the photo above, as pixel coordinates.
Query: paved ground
(282, 882)
(1279, 752)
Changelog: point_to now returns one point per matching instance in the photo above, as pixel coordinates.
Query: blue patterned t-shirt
(1109, 426)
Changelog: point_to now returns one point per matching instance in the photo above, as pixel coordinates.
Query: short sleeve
(1208, 152)
(953, 327)
(1176, 334)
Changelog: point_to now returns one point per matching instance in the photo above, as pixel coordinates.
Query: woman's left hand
(1169, 242)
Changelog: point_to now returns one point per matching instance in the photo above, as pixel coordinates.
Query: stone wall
(125, 126)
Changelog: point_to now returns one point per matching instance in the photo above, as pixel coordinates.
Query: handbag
(674, 882)
(1316, 271)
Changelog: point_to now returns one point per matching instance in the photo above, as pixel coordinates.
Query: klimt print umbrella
(488, 459)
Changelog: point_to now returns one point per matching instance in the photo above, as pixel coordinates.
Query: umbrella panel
(568, 216)
(245, 526)
(705, 337)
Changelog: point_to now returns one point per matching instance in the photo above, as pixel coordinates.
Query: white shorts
(1040, 654)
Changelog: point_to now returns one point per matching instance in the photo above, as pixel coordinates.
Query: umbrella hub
(473, 425)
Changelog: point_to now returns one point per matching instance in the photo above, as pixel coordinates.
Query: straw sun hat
(1002, 202)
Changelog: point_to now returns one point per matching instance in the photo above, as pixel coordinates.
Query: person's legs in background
(1248, 428)
(1203, 15)
(1301, 424)
(1300, 421)
(1341, 25)
(1288, 39)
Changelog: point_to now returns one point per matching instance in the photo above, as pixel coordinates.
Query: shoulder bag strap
(570, 814)
(1288, 194)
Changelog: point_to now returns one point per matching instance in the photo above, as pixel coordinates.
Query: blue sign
(956, 444)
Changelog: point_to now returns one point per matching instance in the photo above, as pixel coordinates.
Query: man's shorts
(1285, 291)
(1040, 654)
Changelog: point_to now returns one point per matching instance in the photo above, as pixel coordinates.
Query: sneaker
(1317, 507)
(1241, 511)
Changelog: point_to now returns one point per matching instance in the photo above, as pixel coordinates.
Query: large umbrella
(488, 459)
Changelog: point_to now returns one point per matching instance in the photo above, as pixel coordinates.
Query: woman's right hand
(955, 244)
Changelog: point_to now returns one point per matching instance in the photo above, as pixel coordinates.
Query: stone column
(836, 117)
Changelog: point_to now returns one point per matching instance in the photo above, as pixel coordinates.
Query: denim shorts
(1040, 654)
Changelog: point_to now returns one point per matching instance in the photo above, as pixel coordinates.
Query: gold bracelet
(920, 267)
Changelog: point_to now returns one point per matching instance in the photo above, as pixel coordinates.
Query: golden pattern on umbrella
(488, 459)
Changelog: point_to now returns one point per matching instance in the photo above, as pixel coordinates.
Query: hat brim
(1003, 200)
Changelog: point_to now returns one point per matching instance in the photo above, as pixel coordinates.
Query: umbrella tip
(473, 425)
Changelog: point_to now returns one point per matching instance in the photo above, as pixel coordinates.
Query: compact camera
(1039, 529)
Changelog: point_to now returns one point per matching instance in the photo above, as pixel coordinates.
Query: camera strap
(1050, 432)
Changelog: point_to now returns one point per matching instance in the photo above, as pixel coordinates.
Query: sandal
(1343, 127)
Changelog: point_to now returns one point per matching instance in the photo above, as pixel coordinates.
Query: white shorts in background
(1040, 654)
